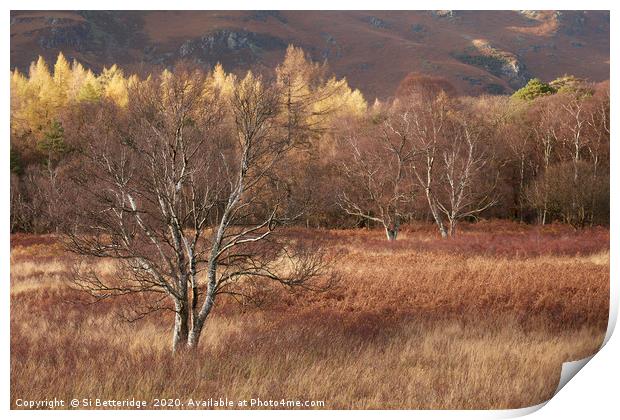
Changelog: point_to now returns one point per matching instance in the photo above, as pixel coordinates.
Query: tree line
(538, 156)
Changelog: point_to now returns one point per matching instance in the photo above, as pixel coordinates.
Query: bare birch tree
(168, 189)
(574, 141)
(545, 131)
(467, 179)
(375, 170)
(428, 113)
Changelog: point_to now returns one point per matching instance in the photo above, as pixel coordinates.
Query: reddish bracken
(418, 323)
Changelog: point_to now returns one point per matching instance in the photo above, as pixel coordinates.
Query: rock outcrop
(502, 64)
(240, 46)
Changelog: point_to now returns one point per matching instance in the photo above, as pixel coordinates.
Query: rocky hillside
(478, 51)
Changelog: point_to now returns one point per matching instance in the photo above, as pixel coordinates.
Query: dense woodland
(316, 152)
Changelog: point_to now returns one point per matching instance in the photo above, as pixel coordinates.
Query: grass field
(484, 320)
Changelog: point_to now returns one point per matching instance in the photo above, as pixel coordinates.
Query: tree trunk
(436, 216)
(181, 329)
(391, 233)
(452, 228)
(194, 335)
(205, 310)
(194, 338)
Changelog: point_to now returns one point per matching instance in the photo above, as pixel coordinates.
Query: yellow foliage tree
(90, 90)
(114, 85)
(62, 78)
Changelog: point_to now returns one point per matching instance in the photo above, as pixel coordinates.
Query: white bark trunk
(180, 332)
(452, 228)
(436, 216)
(391, 233)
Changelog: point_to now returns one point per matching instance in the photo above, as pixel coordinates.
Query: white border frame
(594, 393)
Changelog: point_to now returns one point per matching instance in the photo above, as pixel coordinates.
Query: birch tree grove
(424, 142)
(450, 160)
(167, 190)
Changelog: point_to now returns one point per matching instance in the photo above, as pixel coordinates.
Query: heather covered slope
(478, 51)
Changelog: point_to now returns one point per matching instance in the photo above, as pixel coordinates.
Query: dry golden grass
(484, 321)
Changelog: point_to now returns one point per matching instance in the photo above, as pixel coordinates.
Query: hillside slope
(478, 51)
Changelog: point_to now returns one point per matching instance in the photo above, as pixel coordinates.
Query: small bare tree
(545, 129)
(467, 180)
(374, 168)
(574, 141)
(168, 188)
(428, 112)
